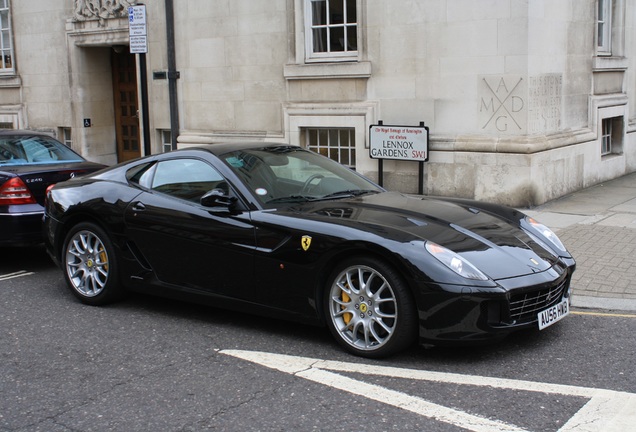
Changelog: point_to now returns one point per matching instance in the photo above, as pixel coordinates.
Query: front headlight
(455, 262)
(547, 233)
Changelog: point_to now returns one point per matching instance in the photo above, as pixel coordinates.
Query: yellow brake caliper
(104, 258)
(347, 316)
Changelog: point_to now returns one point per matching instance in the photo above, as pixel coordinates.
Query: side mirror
(218, 198)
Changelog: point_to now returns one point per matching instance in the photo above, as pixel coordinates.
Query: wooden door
(126, 109)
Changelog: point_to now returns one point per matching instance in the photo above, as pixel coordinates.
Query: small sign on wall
(87, 122)
(408, 143)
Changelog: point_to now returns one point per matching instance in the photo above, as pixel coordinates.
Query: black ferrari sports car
(280, 231)
(29, 163)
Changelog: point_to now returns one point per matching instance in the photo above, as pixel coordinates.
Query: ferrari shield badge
(305, 242)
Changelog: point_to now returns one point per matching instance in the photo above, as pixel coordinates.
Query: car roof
(21, 132)
(226, 147)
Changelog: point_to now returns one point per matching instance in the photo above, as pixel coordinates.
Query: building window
(337, 144)
(166, 140)
(9, 121)
(331, 30)
(606, 137)
(64, 135)
(604, 27)
(612, 136)
(6, 44)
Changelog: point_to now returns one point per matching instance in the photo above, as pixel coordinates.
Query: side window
(188, 179)
(331, 30)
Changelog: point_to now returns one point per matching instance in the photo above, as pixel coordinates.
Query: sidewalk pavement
(598, 226)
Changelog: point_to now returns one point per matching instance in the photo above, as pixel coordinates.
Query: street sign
(137, 29)
(138, 45)
(409, 143)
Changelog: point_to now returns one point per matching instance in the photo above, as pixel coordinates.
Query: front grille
(524, 307)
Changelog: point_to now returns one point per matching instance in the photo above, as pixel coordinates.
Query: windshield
(291, 174)
(32, 150)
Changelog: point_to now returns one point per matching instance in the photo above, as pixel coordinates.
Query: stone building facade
(525, 100)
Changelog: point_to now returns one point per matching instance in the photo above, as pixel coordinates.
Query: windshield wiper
(291, 199)
(350, 193)
(305, 198)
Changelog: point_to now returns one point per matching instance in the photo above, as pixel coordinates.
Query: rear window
(30, 150)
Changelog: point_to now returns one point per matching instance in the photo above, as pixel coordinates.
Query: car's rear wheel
(370, 309)
(90, 267)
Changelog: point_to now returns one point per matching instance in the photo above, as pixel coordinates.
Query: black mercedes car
(280, 231)
(29, 163)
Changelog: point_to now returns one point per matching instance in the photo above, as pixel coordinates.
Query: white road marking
(606, 410)
(15, 275)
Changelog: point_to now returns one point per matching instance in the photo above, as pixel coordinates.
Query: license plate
(553, 314)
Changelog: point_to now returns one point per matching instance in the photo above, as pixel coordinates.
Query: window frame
(6, 32)
(329, 133)
(604, 27)
(359, 116)
(606, 136)
(329, 56)
(10, 119)
(65, 136)
(611, 136)
(148, 176)
(165, 137)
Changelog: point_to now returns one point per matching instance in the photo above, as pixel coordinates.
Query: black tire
(369, 308)
(90, 265)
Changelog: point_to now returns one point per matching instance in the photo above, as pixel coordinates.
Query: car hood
(496, 245)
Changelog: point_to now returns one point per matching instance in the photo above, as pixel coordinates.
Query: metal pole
(173, 74)
(145, 117)
(381, 165)
(420, 183)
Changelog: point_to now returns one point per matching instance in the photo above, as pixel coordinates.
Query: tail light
(14, 192)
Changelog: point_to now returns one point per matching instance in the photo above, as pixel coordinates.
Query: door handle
(138, 206)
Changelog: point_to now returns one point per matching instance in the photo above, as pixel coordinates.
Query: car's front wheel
(90, 267)
(370, 309)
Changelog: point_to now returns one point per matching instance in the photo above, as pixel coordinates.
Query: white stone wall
(231, 56)
(511, 90)
(41, 63)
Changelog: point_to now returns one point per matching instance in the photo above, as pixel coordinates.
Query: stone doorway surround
(95, 28)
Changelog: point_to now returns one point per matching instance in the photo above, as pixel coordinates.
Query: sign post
(407, 143)
(138, 35)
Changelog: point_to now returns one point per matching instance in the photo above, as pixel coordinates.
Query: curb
(614, 304)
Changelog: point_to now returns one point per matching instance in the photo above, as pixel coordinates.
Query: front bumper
(452, 314)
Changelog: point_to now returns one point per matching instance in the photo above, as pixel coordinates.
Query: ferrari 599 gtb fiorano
(280, 231)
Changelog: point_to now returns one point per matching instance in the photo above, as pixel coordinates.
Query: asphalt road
(148, 364)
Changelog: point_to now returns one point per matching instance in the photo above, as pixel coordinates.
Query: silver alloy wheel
(363, 308)
(87, 263)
